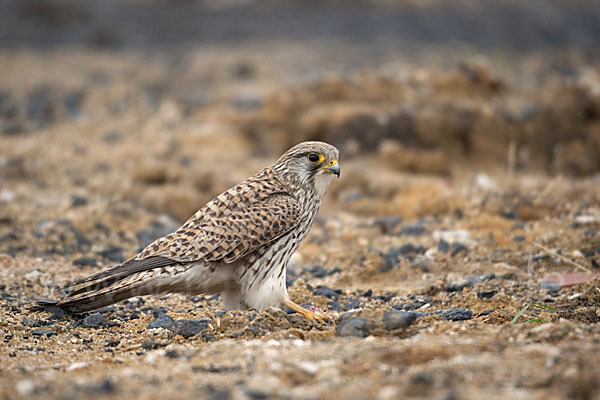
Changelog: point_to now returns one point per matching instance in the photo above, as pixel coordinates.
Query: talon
(306, 313)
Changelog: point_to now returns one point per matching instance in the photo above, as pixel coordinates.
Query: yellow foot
(306, 313)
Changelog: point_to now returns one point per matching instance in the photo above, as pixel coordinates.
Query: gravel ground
(455, 170)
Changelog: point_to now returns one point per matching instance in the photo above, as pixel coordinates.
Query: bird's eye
(314, 157)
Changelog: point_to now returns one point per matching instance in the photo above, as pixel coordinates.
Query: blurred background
(167, 103)
(468, 131)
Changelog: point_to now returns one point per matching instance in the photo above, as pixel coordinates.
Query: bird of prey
(238, 244)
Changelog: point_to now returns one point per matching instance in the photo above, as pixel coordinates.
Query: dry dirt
(422, 255)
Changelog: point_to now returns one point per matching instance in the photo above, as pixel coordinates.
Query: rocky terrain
(457, 255)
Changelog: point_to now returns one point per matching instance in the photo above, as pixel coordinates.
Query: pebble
(467, 282)
(551, 286)
(485, 312)
(334, 305)
(161, 320)
(73, 103)
(351, 304)
(399, 319)
(107, 386)
(42, 332)
(388, 224)
(85, 262)
(443, 246)
(150, 344)
(457, 314)
(191, 327)
(78, 201)
(487, 294)
(519, 239)
(412, 230)
(352, 326)
(33, 322)
(40, 108)
(323, 290)
(319, 272)
(367, 293)
(458, 247)
(95, 320)
(113, 253)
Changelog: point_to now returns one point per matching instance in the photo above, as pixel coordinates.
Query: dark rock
(161, 320)
(191, 327)
(317, 271)
(107, 386)
(112, 343)
(590, 232)
(243, 70)
(172, 354)
(256, 394)
(150, 344)
(42, 332)
(411, 306)
(388, 224)
(9, 115)
(113, 253)
(254, 329)
(335, 306)
(588, 252)
(33, 322)
(543, 256)
(351, 304)
(512, 214)
(155, 230)
(519, 239)
(73, 103)
(399, 319)
(485, 312)
(443, 246)
(551, 286)
(367, 293)
(85, 262)
(457, 314)
(322, 290)
(95, 320)
(413, 230)
(487, 294)
(468, 281)
(457, 248)
(358, 327)
(41, 108)
(78, 201)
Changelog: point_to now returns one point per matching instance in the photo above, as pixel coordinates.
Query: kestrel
(238, 244)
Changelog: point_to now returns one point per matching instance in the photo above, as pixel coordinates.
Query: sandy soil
(454, 167)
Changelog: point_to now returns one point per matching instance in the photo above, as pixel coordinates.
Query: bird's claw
(310, 315)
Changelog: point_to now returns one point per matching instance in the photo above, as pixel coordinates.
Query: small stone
(112, 343)
(443, 246)
(589, 232)
(457, 248)
(78, 201)
(256, 394)
(95, 320)
(358, 327)
(334, 306)
(519, 239)
(351, 304)
(73, 103)
(113, 253)
(399, 319)
(457, 314)
(485, 312)
(322, 290)
(486, 295)
(42, 332)
(413, 230)
(105, 387)
(33, 322)
(161, 320)
(388, 224)
(367, 293)
(85, 262)
(551, 286)
(191, 327)
(150, 344)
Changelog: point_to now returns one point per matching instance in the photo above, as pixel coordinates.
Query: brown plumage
(238, 244)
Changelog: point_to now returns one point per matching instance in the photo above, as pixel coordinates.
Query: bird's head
(310, 163)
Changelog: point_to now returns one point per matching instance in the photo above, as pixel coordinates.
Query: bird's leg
(306, 313)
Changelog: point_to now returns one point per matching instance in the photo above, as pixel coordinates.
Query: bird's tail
(133, 278)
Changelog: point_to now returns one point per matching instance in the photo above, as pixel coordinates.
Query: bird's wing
(232, 235)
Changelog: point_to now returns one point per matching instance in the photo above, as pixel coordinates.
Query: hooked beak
(332, 167)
